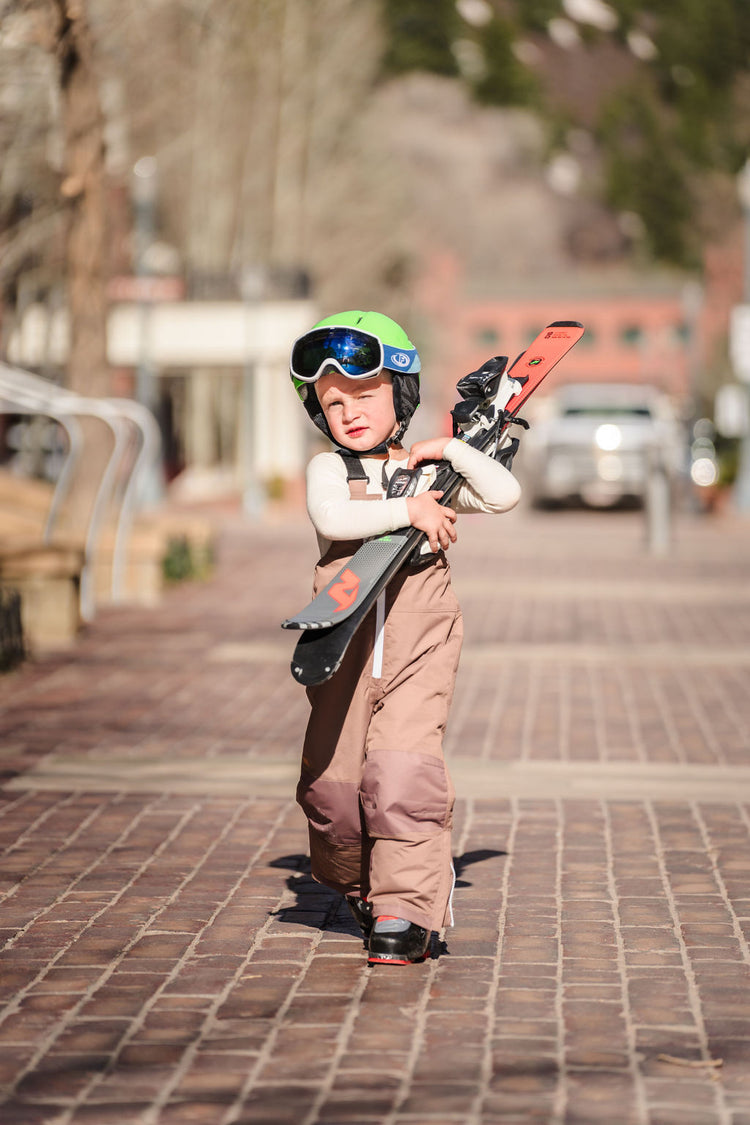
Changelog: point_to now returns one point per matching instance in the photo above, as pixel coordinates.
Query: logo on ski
(535, 361)
(345, 591)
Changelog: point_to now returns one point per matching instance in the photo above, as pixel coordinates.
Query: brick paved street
(165, 957)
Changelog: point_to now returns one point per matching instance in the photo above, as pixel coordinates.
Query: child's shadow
(319, 908)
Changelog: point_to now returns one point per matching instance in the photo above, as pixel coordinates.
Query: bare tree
(61, 28)
(84, 190)
(262, 120)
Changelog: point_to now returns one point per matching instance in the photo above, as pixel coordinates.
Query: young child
(373, 785)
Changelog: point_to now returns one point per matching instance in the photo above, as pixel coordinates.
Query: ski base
(317, 655)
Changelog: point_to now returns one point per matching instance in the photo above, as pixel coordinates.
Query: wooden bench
(47, 575)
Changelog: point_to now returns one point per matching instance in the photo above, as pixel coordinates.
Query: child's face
(359, 412)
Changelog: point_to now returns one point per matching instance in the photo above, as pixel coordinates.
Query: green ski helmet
(359, 345)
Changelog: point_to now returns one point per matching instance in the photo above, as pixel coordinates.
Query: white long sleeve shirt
(488, 487)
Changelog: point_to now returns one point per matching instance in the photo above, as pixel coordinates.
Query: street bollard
(658, 504)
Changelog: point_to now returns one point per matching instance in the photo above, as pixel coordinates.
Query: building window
(487, 336)
(631, 335)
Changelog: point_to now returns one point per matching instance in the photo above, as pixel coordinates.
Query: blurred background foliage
(331, 146)
(679, 109)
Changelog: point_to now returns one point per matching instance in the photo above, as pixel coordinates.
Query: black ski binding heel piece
(483, 384)
(403, 483)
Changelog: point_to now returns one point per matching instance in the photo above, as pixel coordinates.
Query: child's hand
(430, 450)
(431, 517)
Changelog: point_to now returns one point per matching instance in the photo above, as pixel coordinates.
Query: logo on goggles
(399, 359)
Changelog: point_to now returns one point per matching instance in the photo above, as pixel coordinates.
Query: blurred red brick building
(666, 333)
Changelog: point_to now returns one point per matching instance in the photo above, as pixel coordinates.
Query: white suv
(597, 442)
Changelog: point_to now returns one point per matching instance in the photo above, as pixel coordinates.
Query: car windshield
(608, 411)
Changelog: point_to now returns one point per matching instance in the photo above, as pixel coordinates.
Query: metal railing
(106, 476)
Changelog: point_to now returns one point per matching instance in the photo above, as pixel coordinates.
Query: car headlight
(704, 472)
(608, 437)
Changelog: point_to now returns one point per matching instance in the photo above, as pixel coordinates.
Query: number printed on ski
(491, 399)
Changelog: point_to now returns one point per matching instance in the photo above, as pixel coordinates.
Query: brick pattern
(582, 711)
(166, 958)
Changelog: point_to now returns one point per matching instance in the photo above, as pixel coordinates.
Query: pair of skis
(491, 400)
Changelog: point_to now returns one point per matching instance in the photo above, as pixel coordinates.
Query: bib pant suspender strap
(355, 470)
(358, 481)
(355, 474)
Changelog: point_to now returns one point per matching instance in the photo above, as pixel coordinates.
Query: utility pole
(144, 224)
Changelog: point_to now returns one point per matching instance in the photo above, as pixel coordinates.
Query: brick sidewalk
(167, 959)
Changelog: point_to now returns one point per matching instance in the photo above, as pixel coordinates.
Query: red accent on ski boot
(400, 945)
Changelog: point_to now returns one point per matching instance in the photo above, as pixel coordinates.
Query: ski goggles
(353, 352)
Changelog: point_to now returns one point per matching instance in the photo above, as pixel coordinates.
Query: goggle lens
(359, 354)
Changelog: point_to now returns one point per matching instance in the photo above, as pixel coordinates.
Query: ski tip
(304, 626)
(566, 324)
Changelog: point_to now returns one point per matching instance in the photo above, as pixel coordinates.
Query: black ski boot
(362, 912)
(395, 941)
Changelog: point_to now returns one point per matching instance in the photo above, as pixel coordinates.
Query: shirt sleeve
(336, 516)
(489, 487)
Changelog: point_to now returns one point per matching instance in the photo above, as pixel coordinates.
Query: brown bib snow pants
(374, 785)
